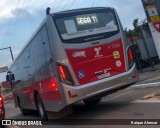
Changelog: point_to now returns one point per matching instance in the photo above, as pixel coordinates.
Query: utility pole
(152, 10)
(10, 51)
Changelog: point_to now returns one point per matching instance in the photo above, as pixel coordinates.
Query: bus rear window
(86, 26)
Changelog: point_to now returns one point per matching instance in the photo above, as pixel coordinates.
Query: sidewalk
(149, 75)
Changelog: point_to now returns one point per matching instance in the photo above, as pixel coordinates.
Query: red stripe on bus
(48, 90)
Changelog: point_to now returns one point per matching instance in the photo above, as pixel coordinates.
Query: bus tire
(23, 111)
(92, 101)
(40, 107)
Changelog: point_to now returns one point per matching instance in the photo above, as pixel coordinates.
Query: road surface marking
(146, 101)
(117, 96)
(155, 84)
(150, 98)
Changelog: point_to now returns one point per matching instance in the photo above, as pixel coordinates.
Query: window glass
(38, 51)
(45, 43)
(86, 25)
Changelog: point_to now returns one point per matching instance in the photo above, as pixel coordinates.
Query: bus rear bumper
(100, 88)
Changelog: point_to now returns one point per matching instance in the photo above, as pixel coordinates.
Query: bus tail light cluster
(2, 111)
(65, 75)
(1, 102)
(130, 58)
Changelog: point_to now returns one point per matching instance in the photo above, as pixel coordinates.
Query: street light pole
(10, 51)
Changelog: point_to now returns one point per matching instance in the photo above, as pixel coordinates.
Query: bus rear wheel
(92, 101)
(40, 107)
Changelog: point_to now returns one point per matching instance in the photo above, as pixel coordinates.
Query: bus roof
(81, 10)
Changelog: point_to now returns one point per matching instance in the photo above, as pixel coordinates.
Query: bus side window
(21, 69)
(30, 67)
(46, 44)
(37, 51)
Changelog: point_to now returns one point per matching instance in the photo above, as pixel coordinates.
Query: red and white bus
(75, 55)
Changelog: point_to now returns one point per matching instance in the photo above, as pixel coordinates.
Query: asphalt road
(129, 104)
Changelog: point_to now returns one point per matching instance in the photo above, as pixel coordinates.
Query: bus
(75, 55)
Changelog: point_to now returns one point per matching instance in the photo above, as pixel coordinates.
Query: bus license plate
(104, 75)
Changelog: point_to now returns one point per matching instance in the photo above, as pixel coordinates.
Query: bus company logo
(97, 50)
(79, 54)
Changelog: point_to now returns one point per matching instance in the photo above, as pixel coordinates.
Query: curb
(147, 85)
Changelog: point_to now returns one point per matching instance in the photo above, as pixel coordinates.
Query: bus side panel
(36, 74)
(46, 81)
(48, 90)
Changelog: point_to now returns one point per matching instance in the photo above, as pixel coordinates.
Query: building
(143, 47)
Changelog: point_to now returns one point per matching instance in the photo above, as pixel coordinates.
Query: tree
(135, 23)
(135, 32)
(127, 32)
(136, 27)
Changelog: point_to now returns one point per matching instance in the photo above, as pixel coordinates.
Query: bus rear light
(1, 102)
(65, 75)
(54, 84)
(62, 71)
(1, 105)
(52, 14)
(130, 58)
(130, 54)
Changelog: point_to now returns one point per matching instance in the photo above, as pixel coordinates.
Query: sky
(19, 19)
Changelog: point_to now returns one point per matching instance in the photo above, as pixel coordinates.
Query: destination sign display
(87, 19)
